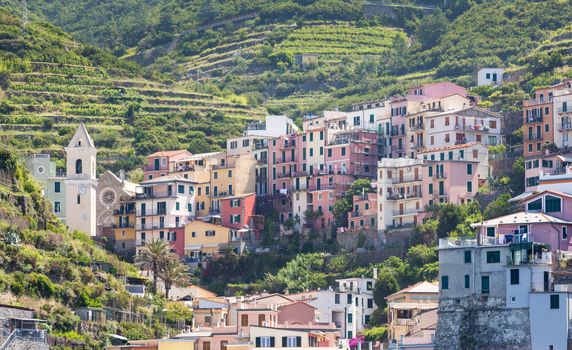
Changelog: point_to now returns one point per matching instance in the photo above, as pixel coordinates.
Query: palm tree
(152, 257)
(172, 272)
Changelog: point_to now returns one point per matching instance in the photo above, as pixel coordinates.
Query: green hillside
(50, 84)
(54, 271)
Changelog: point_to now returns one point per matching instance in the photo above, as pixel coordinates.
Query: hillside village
(392, 160)
(229, 174)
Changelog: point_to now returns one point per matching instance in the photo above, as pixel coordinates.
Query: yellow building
(203, 240)
(124, 228)
(216, 175)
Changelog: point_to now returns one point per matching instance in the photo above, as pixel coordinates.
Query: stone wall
(7, 312)
(481, 323)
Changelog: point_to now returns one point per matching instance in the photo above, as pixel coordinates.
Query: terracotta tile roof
(449, 148)
(170, 153)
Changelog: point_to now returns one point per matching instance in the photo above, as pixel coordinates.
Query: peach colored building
(160, 163)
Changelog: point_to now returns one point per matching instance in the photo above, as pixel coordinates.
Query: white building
(490, 76)
(511, 283)
(399, 197)
(349, 306)
(274, 126)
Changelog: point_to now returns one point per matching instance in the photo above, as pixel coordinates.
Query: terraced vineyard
(214, 61)
(560, 42)
(45, 105)
(336, 41)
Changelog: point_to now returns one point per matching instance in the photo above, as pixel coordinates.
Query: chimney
(122, 174)
(375, 272)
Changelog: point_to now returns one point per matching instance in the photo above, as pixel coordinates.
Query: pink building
(449, 181)
(551, 164)
(237, 212)
(545, 220)
(160, 163)
(298, 312)
(364, 213)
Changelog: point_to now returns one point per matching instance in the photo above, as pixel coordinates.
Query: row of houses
(428, 146)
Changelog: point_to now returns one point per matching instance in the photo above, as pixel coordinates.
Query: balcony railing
(356, 214)
(565, 126)
(534, 119)
(181, 168)
(405, 212)
(417, 145)
(460, 141)
(151, 212)
(534, 137)
(124, 211)
(440, 176)
(123, 225)
(398, 196)
(156, 195)
(398, 180)
(564, 110)
(471, 127)
(457, 242)
(542, 258)
(419, 126)
(158, 226)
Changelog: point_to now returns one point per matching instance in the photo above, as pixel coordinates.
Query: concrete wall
(549, 326)
(481, 323)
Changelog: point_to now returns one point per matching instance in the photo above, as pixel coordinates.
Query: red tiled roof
(448, 148)
(170, 153)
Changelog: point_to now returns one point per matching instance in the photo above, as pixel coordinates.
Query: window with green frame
(430, 188)
(430, 170)
(552, 204)
(469, 169)
(444, 282)
(535, 205)
(469, 186)
(467, 281)
(493, 257)
(467, 256)
(485, 284)
(490, 231)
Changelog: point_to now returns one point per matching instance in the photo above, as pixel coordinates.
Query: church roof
(82, 135)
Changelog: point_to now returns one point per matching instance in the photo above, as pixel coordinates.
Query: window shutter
(284, 342)
(299, 342)
(257, 342)
(272, 343)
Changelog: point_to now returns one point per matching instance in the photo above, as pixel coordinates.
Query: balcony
(123, 225)
(564, 110)
(457, 242)
(220, 194)
(566, 124)
(182, 168)
(404, 179)
(540, 258)
(356, 214)
(285, 175)
(440, 176)
(460, 141)
(124, 211)
(472, 127)
(534, 137)
(403, 196)
(263, 160)
(153, 195)
(406, 212)
(158, 226)
(151, 212)
(534, 119)
(417, 145)
(416, 127)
